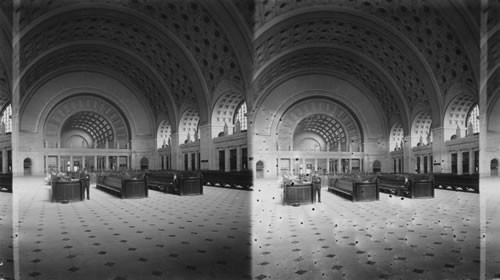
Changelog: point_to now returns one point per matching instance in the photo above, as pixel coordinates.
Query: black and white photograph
(249, 139)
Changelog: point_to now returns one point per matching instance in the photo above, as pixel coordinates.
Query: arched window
(397, 136)
(241, 116)
(144, 163)
(7, 118)
(473, 119)
(164, 134)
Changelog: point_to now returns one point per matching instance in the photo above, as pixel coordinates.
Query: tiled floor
(6, 246)
(208, 237)
(490, 193)
(386, 239)
(163, 236)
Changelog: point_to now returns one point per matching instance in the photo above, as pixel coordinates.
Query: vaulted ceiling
(172, 53)
(493, 47)
(408, 54)
(405, 52)
(6, 52)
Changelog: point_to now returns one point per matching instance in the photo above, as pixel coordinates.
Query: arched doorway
(144, 163)
(376, 166)
(494, 167)
(27, 167)
(259, 169)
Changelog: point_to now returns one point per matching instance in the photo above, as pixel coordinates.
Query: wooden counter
(298, 193)
(67, 191)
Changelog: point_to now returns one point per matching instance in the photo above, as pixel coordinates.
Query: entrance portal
(259, 168)
(494, 167)
(27, 167)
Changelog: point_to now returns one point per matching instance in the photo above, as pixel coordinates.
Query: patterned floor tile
(111, 238)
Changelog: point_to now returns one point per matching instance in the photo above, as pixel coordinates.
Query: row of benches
(176, 182)
(359, 188)
(187, 183)
(133, 184)
(465, 183)
(233, 179)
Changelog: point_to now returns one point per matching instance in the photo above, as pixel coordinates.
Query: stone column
(429, 163)
(459, 163)
(315, 164)
(175, 153)
(439, 152)
(227, 160)
(421, 163)
(327, 165)
(4, 160)
(471, 161)
(208, 159)
(106, 162)
(238, 159)
(408, 157)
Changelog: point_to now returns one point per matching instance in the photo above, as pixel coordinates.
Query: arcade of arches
(277, 87)
(398, 96)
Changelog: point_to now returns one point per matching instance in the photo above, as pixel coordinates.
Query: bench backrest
(398, 180)
(343, 184)
(112, 181)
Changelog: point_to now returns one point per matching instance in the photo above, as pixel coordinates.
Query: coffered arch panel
(424, 67)
(307, 114)
(87, 112)
(115, 62)
(34, 112)
(444, 33)
(188, 126)
(188, 29)
(147, 43)
(332, 59)
(6, 52)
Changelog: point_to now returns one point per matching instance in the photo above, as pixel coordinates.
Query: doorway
(494, 167)
(27, 167)
(259, 168)
(376, 166)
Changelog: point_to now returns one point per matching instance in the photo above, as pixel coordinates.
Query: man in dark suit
(316, 184)
(85, 177)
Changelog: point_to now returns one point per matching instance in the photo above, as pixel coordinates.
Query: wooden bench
(407, 185)
(6, 182)
(166, 182)
(464, 183)
(233, 179)
(64, 191)
(176, 182)
(122, 187)
(354, 189)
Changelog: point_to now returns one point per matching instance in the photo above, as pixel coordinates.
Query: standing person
(316, 184)
(85, 177)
